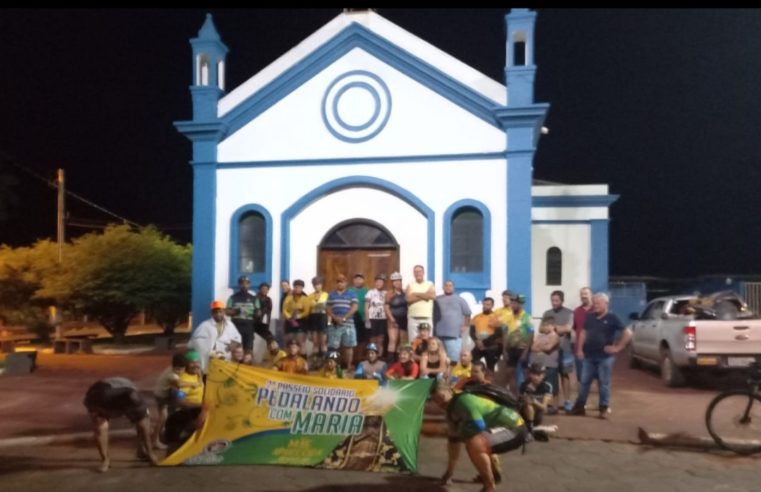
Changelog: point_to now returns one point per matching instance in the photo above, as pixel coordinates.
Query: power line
(50, 183)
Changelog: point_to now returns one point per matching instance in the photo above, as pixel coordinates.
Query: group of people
(410, 330)
(406, 333)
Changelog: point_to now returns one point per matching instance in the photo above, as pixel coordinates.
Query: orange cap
(217, 305)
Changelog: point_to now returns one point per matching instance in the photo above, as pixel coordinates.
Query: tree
(114, 275)
(21, 274)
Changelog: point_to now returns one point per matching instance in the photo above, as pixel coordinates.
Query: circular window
(356, 106)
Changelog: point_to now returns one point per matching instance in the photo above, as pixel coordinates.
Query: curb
(59, 438)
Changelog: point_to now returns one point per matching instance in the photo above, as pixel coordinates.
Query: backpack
(493, 392)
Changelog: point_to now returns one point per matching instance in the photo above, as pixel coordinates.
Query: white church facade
(365, 148)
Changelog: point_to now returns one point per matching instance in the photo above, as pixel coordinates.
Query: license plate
(740, 361)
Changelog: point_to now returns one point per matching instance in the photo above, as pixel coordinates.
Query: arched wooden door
(357, 245)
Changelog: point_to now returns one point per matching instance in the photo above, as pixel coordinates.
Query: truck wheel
(670, 373)
(634, 363)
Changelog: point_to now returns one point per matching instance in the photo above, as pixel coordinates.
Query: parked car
(684, 334)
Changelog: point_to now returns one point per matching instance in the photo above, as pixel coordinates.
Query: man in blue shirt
(342, 304)
(603, 336)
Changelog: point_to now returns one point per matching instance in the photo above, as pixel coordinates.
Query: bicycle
(733, 417)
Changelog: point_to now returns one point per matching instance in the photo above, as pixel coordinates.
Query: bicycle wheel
(733, 419)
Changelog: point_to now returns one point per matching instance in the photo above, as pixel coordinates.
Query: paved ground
(557, 466)
(592, 454)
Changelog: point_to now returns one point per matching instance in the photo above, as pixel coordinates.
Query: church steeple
(209, 54)
(519, 66)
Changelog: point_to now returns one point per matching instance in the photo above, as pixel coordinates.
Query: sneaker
(568, 405)
(577, 410)
(604, 412)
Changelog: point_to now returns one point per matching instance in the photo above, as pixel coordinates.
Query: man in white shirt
(212, 337)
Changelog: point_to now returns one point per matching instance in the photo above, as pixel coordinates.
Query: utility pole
(61, 212)
(55, 319)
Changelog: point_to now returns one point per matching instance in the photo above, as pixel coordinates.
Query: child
(190, 393)
(237, 355)
(420, 343)
(273, 355)
(405, 367)
(166, 386)
(535, 395)
(545, 351)
(332, 368)
(293, 363)
(462, 369)
(373, 367)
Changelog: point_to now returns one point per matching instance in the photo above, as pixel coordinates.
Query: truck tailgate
(741, 337)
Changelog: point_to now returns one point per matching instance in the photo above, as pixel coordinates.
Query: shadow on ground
(397, 483)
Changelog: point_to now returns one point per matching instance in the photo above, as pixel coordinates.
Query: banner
(261, 416)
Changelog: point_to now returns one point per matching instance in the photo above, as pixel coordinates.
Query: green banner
(260, 416)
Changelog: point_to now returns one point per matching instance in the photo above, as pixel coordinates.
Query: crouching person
(487, 429)
(535, 395)
(113, 397)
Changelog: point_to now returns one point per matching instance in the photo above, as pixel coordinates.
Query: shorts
(378, 328)
(501, 439)
(108, 402)
(342, 336)
(296, 329)
(566, 364)
(318, 322)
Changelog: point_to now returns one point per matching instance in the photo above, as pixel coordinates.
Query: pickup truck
(681, 339)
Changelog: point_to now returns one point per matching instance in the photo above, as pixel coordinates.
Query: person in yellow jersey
(190, 393)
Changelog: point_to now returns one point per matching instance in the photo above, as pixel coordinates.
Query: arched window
(221, 74)
(519, 49)
(202, 70)
(554, 266)
(467, 246)
(251, 243)
(467, 251)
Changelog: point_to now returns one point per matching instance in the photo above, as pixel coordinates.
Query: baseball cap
(424, 326)
(373, 347)
(536, 368)
(217, 305)
(192, 356)
(396, 276)
(520, 298)
(243, 278)
(406, 347)
(380, 276)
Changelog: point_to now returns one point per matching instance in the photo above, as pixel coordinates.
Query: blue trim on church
(476, 283)
(357, 36)
(599, 255)
(256, 278)
(344, 161)
(575, 201)
(352, 182)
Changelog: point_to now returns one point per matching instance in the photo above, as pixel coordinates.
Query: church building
(366, 149)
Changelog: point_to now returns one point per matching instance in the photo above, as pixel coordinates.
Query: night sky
(663, 105)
